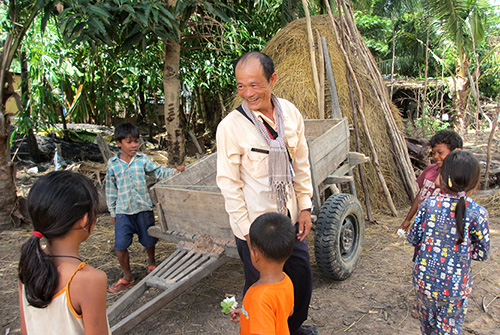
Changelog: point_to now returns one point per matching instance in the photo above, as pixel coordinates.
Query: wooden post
(314, 69)
(336, 112)
(490, 140)
(104, 148)
(321, 74)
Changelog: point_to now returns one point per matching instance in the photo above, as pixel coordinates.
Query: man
(263, 166)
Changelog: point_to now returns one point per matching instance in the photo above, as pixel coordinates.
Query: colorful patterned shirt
(442, 268)
(126, 187)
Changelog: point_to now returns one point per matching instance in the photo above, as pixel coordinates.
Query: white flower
(401, 233)
(234, 304)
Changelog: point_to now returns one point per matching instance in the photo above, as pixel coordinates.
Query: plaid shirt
(442, 269)
(126, 187)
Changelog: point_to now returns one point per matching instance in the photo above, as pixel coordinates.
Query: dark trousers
(297, 267)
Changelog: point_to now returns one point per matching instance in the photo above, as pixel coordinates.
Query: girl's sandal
(120, 285)
(151, 268)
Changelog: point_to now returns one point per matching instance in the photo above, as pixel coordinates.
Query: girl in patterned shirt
(452, 230)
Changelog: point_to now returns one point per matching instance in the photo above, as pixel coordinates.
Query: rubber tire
(339, 211)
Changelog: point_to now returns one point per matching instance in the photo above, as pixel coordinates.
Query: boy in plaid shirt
(128, 199)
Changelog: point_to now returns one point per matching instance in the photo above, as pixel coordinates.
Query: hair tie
(461, 194)
(450, 184)
(37, 234)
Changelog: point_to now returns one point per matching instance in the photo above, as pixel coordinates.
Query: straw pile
(290, 51)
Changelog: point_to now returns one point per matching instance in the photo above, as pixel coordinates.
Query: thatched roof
(290, 51)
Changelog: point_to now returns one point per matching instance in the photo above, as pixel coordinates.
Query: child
(58, 292)
(442, 143)
(452, 229)
(269, 302)
(128, 199)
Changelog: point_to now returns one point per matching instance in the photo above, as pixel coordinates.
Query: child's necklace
(67, 257)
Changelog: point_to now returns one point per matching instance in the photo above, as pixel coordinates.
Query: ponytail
(55, 203)
(460, 173)
(38, 273)
(459, 218)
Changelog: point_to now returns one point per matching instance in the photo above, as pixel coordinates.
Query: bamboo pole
(400, 151)
(321, 73)
(490, 140)
(360, 111)
(314, 69)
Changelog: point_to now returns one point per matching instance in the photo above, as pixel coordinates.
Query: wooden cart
(192, 213)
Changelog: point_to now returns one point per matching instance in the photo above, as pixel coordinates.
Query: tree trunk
(175, 135)
(424, 105)
(33, 148)
(393, 53)
(8, 196)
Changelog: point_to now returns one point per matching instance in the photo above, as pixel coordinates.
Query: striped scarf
(280, 176)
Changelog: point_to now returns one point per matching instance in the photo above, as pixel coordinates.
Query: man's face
(253, 87)
(439, 153)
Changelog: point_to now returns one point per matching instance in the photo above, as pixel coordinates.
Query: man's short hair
(448, 137)
(124, 130)
(273, 235)
(266, 62)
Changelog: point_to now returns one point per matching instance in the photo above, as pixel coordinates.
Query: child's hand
(181, 168)
(405, 226)
(235, 315)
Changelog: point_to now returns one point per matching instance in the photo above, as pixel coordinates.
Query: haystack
(290, 51)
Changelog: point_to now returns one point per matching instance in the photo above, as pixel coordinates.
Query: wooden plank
(316, 128)
(175, 264)
(164, 298)
(329, 150)
(338, 179)
(195, 212)
(155, 231)
(198, 173)
(356, 158)
(134, 293)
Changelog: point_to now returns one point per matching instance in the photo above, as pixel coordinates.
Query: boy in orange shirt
(269, 302)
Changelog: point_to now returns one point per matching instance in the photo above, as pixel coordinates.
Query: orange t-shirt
(266, 308)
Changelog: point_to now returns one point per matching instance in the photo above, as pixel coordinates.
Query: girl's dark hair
(55, 203)
(273, 235)
(460, 173)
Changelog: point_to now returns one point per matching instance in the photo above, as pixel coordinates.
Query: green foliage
(429, 124)
(376, 32)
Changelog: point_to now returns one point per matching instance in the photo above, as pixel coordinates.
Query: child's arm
(411, 213)
(111, 191)
(88, 295)
(21, 309)
(480, 236)
(158, 171)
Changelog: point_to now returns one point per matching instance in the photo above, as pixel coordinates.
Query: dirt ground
(376, 299)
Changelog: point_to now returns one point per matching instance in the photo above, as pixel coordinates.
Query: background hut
(291, 54)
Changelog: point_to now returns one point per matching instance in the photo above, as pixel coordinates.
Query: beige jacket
(242, 174)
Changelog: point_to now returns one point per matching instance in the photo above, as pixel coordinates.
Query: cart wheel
(338, 240)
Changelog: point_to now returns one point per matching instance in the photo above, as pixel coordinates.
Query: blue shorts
(128, 225)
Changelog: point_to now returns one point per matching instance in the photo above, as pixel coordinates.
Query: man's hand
(181, 168)
(305, 224)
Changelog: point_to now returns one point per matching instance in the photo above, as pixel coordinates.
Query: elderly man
(263, 166)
